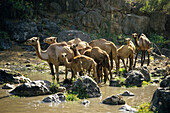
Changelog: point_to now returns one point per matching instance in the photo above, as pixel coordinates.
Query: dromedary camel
(143, 44)
(81, 63)
(126, 51)
(52, 40)
(102, 59)
(52, 54)
(131, 44)
(80, 44)
(109, 47)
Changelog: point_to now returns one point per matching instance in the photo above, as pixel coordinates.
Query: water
(10, 104)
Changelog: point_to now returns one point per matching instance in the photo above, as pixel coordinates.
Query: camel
(126, 51)
(131, 44)
(81, 44)
(52, 40)
(109, 47)
(143, 44)
(102, 59)
(74, 48)
(80, 63)
(51, 54)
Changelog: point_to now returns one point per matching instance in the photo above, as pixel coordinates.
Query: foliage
(144, 83)
(54, 87)
(3, 35)
(144, 108)
(120, 79)
(157, 39)
(71, 97)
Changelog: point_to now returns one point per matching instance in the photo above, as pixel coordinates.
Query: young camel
(130, 43)
(102, 59)
(126, 51)
(51, 55)
(143, 44)
(80, 63)
(52, 40)
(80, 44)
(110, 48)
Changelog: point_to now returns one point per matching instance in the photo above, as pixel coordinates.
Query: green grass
(54, 87)
(71, 97)
(144, 108)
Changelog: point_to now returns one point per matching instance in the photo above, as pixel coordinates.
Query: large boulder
(5, 44)
(55, 7)
(71, 34)
(9, 76)
(134, 23)
(34, 88)
(158, 21)
(114, 100)
(134, 78)
(161, 98)
(87, 86)
(56, 98)
(22, 31)
(145, 72)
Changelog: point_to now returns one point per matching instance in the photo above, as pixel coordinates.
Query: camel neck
(67, 63)
(41, 54)
(137, 42)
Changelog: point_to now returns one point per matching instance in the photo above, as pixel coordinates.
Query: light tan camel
(126, 51)
(143, 44)
(52, 40)
(131, 44)
(51, 55)
(103, 61)
(110, 48)
(81, 63)
(80, 44)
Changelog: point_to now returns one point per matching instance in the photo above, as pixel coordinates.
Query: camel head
(32, 41)
(128, 40)
(63, 55)
(73, 47)
(50, 40)
(134, 35)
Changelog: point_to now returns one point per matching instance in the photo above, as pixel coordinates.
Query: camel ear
(38, 38)
(55, 38)
(76, 45)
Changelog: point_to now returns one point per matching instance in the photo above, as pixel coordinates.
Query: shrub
(71, 97)
(144, 108)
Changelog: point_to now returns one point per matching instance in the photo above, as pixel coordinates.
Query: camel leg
(111, 60)
(66, 72)
(148, 58)
(110, 73)
(99, 72)
(56, 68)
(131, 62)
(95, 73)
(105, 74)
(117, 64)
(51, 68)
(142, 58)
(127, 62)
(136, 58)
(124, 64)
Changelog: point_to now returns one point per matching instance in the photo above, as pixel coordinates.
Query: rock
(85, 102)
(7, 86)
(134, 78)
(165, 82)
(86, 85)
(92, 20)
(146, 74)
(166, 52)
(7, 75)
(158, 24)
(126, 108)
(34, 88)
(56, 98)
(114, 83)
(22, 31)
(134, 23)
(114, 100)
(61, 89)
(5, 44)
(161, 98)
(127, 93)
(50, 26)
(155, 80)
(71, 34)
(55, 7)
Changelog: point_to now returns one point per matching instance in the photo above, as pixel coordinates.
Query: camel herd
(96, 56)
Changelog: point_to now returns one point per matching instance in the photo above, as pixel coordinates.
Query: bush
(144, 108)
(71, 97)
